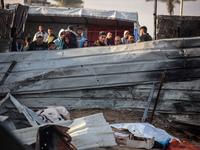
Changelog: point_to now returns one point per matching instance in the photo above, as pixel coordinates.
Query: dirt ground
(183, 132)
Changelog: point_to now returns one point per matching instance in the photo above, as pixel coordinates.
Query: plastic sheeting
(82, 12)
(20, 16)
(144, 130)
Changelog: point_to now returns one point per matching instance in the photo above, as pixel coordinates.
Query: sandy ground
(179, 131)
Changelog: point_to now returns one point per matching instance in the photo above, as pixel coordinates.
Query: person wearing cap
(59, 41)
(39, 44)
(72, 34)
(45, 35)
(79, 31)
(125, 38)
(102, 39)
(144, 35)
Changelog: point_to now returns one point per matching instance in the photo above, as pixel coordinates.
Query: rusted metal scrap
(7, 73)
(51, 137)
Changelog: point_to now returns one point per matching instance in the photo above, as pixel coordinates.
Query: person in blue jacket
(85, 42)
(59, 41)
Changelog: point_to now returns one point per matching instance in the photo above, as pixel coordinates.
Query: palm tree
(70, 3)
(170, 4)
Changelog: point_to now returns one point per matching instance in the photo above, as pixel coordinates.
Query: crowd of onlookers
(70, 39)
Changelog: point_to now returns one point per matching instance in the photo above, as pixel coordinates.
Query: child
(109, 38)
(79, 37)
(52, 46)
(68, 42)
(28, 40)
(131, 38)
(102, 39)
(85, 42)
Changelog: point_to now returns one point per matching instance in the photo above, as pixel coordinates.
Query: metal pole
(149, 102)
(2, 4)
(181, 8)
(155, 17)
(156, 102)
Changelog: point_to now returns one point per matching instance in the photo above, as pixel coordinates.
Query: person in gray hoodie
(59, 41)
(125, 38)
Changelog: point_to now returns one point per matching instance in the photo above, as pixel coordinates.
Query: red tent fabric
(93, 31)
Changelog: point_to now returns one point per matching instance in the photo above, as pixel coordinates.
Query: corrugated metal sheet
(71, 77)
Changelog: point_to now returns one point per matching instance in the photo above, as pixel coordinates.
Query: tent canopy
(81, 16)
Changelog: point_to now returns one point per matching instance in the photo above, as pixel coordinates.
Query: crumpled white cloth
(144, 130)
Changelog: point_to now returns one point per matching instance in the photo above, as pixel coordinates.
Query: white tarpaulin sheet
(82, 12)
(144, 130)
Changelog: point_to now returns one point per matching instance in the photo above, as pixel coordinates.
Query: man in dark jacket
(102, 39)
(16, 45)
(144, 35)
(38, 44)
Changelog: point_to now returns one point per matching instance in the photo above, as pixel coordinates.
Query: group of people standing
(68, 39)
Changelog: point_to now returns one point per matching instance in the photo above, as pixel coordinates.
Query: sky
(145, 9)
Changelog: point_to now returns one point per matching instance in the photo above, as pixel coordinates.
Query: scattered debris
(51, 137)
(54, 131)
(53, 114)
(87, 132)
(177, 145)
(8, 141)
(30, 115)
(7, 73)
(138, 142)
(144, 130)
(7, 122)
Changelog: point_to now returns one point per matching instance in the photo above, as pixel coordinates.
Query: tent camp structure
(91, 20)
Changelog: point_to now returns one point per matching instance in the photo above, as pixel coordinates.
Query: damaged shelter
(118, 77)
(91, 20)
